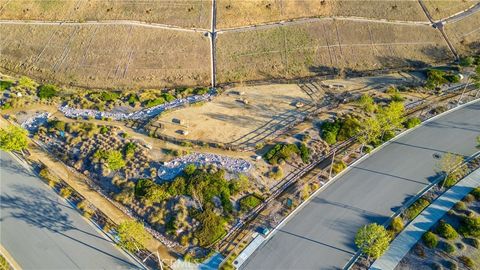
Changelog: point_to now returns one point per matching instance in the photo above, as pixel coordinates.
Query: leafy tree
(131, 234)
(13, 138)
(109, 96)
(435, 78)
(391, 117)
(447, 164)
(373, 240)
(150, 192)
(349, 128)
(371, 130)
(430, 239)
(240, 184)
(115, 160)
(129, 149)
(190, 169)
(330, 131)
(466, 61)
(212, 227)
(304, 152)
(5, 84)
(47, 91)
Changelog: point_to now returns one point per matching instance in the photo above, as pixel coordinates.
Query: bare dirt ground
(228, 120)
(233, 13)
(106, 56)
(440, 9)
(185, 13)
(465, 34)
(325, 47)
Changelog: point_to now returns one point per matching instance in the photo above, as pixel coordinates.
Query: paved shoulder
(41, 231)
(320, 236)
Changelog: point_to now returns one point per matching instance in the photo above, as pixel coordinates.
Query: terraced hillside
(158, 43)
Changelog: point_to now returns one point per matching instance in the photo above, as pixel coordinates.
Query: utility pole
(463, 92)
(331, 164)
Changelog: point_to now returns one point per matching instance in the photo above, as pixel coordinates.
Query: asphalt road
(320, 236)
(41, 231)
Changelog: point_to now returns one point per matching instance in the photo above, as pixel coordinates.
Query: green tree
(131, 234)
(373, 240)
(115, 160)
(447, 164)
(397, 224)
(27, 83)
(47, 91)
(212, 228)
(430, 239)
(13, 138)
(371, 130)
(391, 117)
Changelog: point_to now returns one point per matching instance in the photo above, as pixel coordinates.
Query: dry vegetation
(233, 13)
(106, 56)
(465, 34)
(186, 13)
(323, 47)
(440, 9)
(227, 119)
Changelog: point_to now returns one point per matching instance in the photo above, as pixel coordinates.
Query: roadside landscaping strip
(422, 223)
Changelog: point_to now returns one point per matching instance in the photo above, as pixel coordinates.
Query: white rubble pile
(171, 169)
(35, 121)
(144, 113)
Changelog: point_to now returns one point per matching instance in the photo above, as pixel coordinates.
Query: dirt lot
(106, 56)
(440, 9)
(465, 34)
(323, 47)
(186, 13)
(233, 13)
(228, 120)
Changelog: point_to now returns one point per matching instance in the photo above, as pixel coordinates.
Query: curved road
(320, 236)
(41, 231)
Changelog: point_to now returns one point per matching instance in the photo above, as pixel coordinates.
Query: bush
(249, 202)
(452, 265)
(476, 193)
(467, 261)
(469, 198)
(47, 91)
(470, 226)
(65, 192)
(330, 131)
(416, 208)
(212, 228)
(109, 96)
(276, 173)
(280, 152)
(339, 166)
(154, 102)
(412, 122)
(304, 153)
(446, 231)
(448, 248)
(397, 97)
(397, 224)
(430, 239)
(190, 169)
(460, 206)
(466, 61)
(4, 85)
(475, 242)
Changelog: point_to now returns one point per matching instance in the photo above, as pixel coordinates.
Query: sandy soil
(227, 119)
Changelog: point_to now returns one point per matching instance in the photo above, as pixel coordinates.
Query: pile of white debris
(171, 169)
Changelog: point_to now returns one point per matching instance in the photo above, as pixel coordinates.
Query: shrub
(430, 239)
(412, 122)
(47, 91)
(280, 152)
(460, 206)
(397, 97)
(448, 248)
(304, 153)
(154, 102)
(476, 193)
(276, 173)
(367, 103)
(339, 166)
(212, 228)
(397, 224)
(467, 261)
(469, 198)
(466, 61)
(470, 226)
(475, 242)
(65, 192)
(190, 169)
(249, 202)
(373, 240)
(452, 265)
(416, 208)
(109, 96)
(330, 131)
(4, 85)
(446, 230)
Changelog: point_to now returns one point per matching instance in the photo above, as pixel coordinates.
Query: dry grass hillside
(106, 56)
(324, 48)
(465, 34)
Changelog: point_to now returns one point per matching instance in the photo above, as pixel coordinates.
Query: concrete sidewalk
(402, 244)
